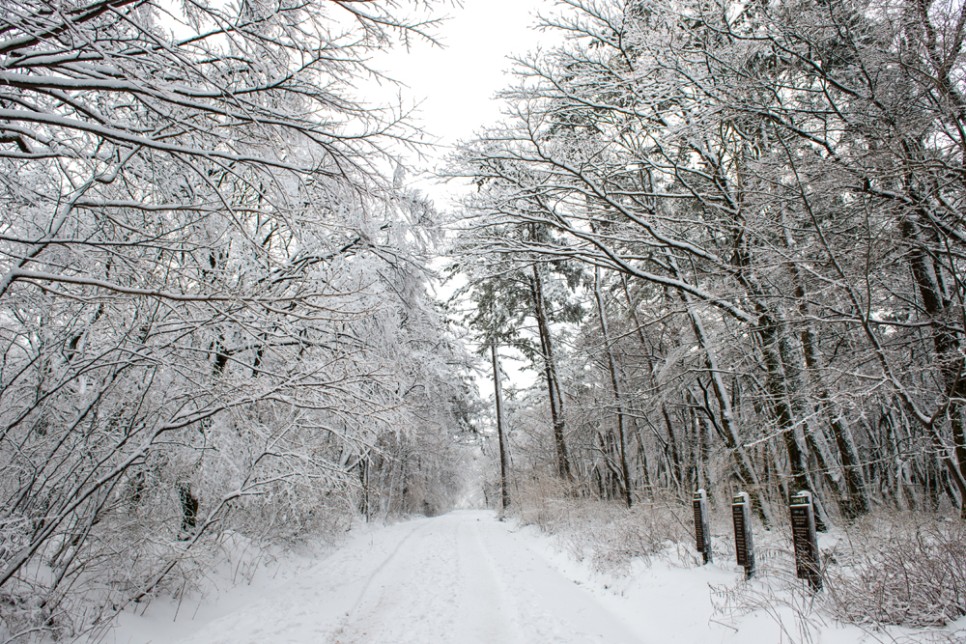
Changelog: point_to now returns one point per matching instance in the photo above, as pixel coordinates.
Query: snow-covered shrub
(616, 535)
(907, 570)
(884, 571)
(787, 603)
(543, 501)
(607, 534)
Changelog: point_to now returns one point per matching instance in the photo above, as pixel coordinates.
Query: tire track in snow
(381, 567)
(309, 608)
(551, 607)
(413, 598)
(486, 616)
(462, 578)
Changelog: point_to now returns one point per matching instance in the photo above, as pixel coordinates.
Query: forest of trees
(727, 236)
(730, 238)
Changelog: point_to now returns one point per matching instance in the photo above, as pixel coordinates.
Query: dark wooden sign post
(702, 528)
(744, 542)
(807, 564)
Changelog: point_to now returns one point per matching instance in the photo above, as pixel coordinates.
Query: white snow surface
(465, 578)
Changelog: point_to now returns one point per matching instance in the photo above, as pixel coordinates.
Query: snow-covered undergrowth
(900, 569)
(888, 578)
(115, 587)
(608, 535)
(239, 570)
(466, 578)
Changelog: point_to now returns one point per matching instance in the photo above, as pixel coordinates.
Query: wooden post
(744, 541)
(702, 527)
(807, 565)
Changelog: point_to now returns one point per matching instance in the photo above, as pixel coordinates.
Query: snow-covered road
(463, 577)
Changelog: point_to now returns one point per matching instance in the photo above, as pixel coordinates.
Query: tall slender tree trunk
(500, 428)
(364, 482)
(677, 466)
(642, 458)
(782, 372)
(776, 384)
(615, 390)
(550, 375)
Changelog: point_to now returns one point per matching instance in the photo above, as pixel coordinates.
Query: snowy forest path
(463, 577)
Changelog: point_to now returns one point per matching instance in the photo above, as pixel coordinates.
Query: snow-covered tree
(214, 306)
(783, 179)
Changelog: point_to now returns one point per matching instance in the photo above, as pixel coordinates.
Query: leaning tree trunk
(856, 499)
(727, 420)
(948, 346)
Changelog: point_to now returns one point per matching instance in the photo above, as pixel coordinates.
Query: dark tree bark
(500, 429)
(189, 510)
(550, 375)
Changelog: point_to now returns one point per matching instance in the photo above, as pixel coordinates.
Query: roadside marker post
(807, 565)
(702, 527)
(744, 539)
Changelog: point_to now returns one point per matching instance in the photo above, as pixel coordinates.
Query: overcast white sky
(455, 83)
(459, 79)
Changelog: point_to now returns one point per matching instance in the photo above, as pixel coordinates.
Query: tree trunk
(948, 347)
(856, 501)
(615, 390)
(500, 429)
(743, 466)
(780, 403)
(677, 466)
(550, 374)
(189, 511)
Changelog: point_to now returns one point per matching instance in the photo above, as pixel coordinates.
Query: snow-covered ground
(466, 577)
